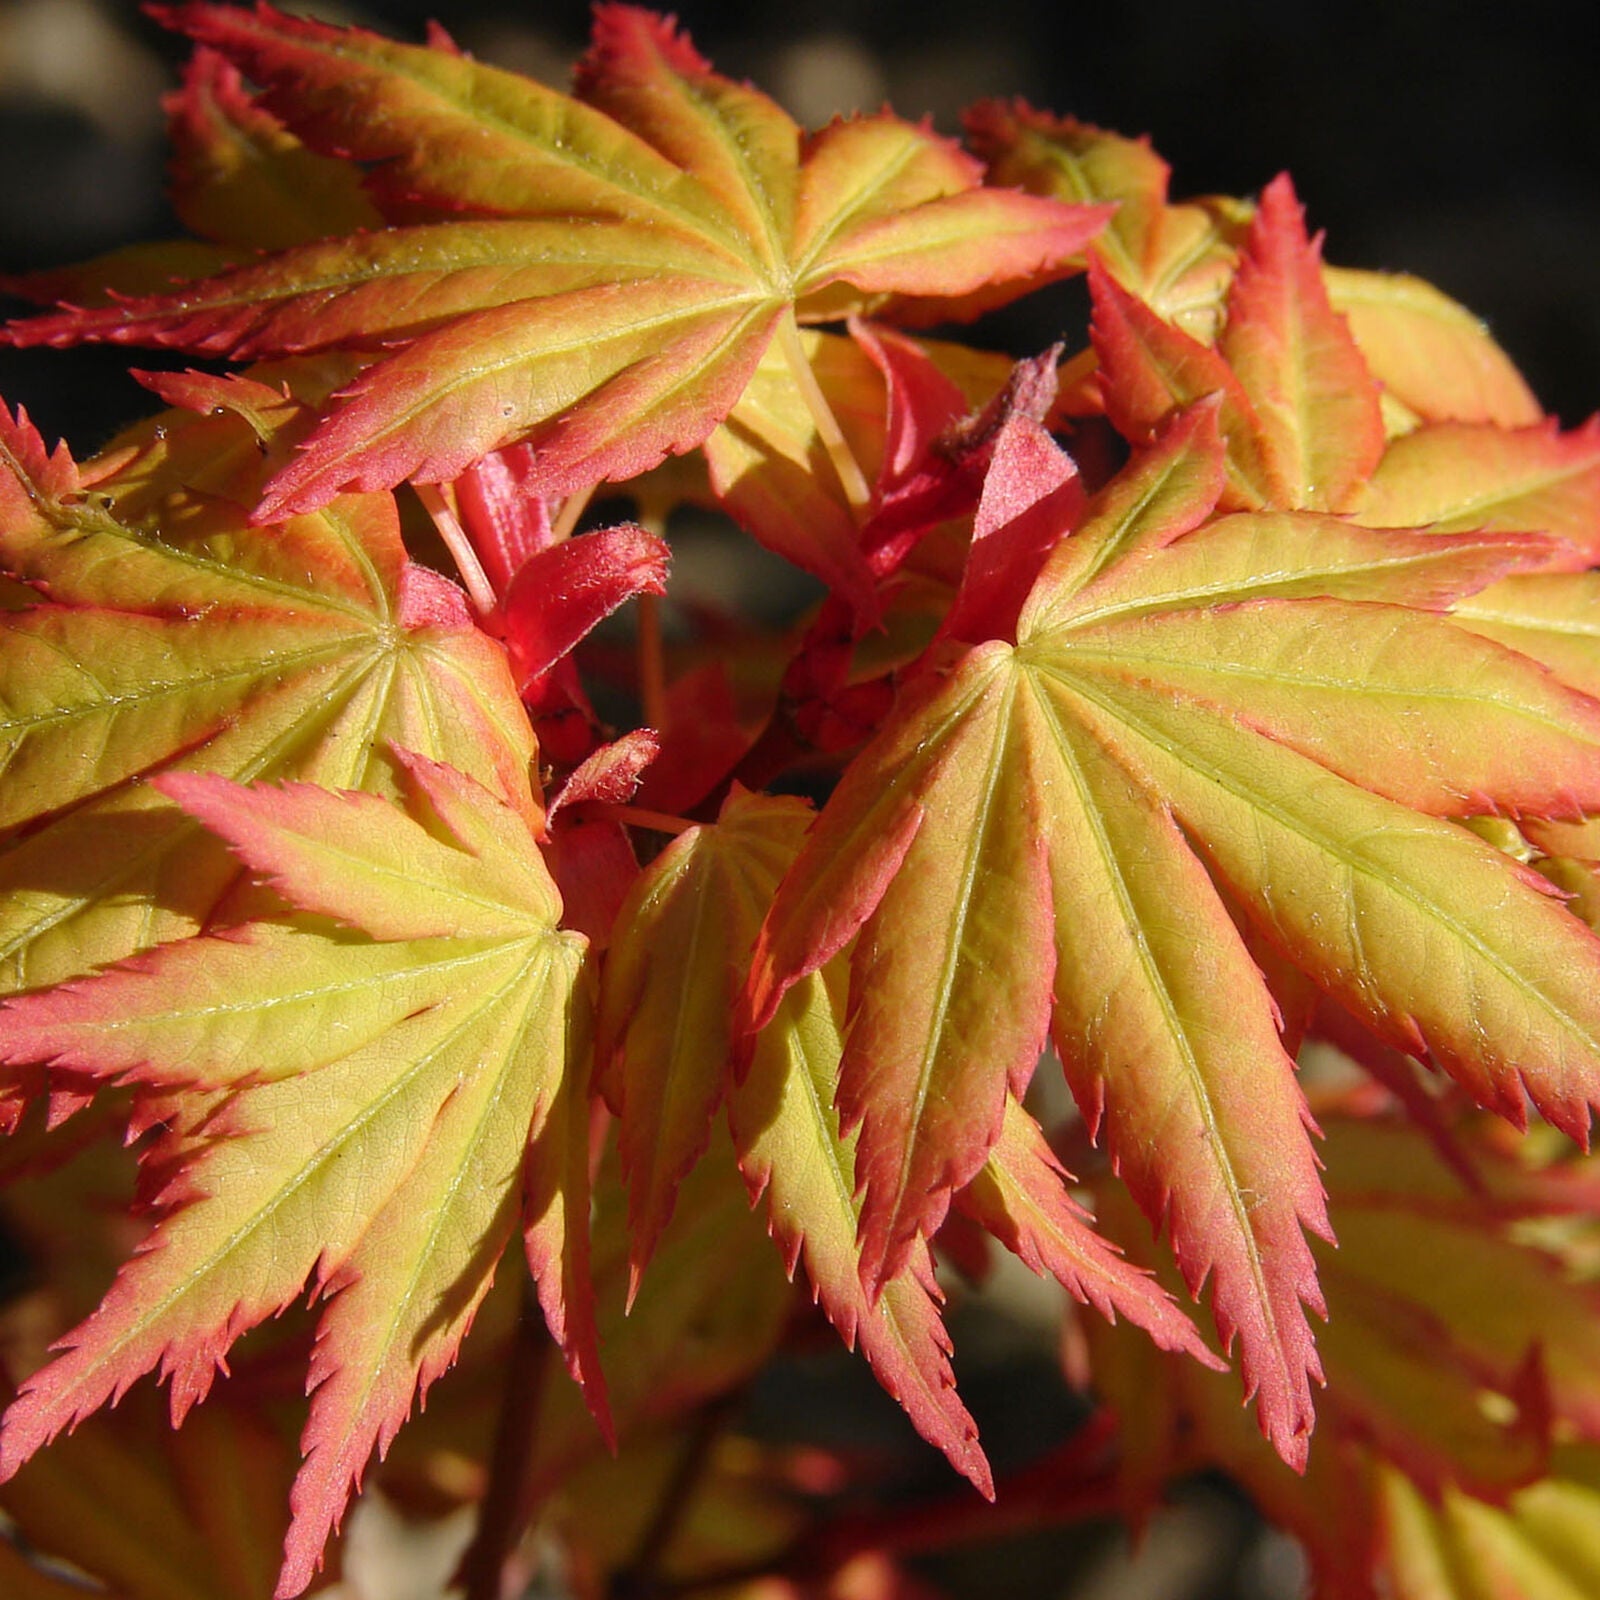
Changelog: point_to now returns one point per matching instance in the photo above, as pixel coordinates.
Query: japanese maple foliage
(1210, 714)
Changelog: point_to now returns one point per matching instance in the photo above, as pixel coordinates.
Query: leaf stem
(851, 478)
(652, 668)
(639, 817)
(642, 1577)
(479, 589)
(502, 1515)
(572, 508)
(652, 663)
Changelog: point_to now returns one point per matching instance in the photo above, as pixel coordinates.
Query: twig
(501, 1516)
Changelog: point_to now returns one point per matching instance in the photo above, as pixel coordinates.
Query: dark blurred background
(1461, 142)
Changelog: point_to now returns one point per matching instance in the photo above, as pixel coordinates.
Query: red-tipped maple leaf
(667, 1050)
(613, 265)
(1298, 406)
(1460, 1344)
(390, 1087)
(1271, 703)
(159, 631)
(1435, 361)
(238, 177)
(1177, 259)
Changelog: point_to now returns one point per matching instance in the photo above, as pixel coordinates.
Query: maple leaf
(1020, 1196)
(1268, 703)
(666, 1051)
(1435, 361)
(614, 264)
(1302, 412)
(1539, 1546)
(238, 177)
(1451, 476)
(1451, 1285)
(294, 651)
(1178, 259)
(1298, 405)
(390, 1075)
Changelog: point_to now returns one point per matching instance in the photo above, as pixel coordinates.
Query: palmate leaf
(666, 1051)
(1302, 414)
(1298, 405)
(614, 263)
(1458, 1348)
(1538, 1547)
(1178, 258)
(792, 1152)
(294, 651)
(389, 1077)
(1436, 362)
(1034, 837)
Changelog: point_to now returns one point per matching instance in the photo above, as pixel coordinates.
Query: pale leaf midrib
(843, 220)
(1183, 1047)
(465, 376)
(1234, 786)
(470, 953)
(195, 1278)
(1290, 583)
(1368, 691)
(152, 693)
(953, 933)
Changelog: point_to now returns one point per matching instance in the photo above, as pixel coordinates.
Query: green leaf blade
(1321, 428)
(1439, 941)
(375, 1147)
(1180, 1064)
(791, 1150)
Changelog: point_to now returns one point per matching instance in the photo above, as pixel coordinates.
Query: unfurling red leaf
(560, 593)
(384, 1096)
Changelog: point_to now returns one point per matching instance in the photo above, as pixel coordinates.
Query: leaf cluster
(1164, 852)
